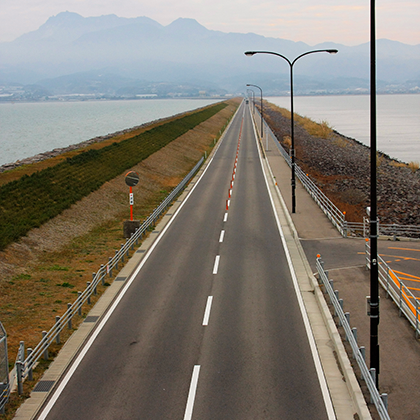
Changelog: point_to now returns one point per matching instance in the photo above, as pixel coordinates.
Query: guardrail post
(116, 254)
(57, 337)
(362, 350)
(332, 288)
(400, 303)
(345, 231)
(89, 292)
(30, 373)
(103, 272)
(109, 267)
(372, 372)
(341, 302)
(137, 236)
(44, 333)
(384, 398)
(131, 239)
(70, 316)
(347, 315)
(336, 293)
(122, 253)
(93, 282)
(354, 332)
(19, 369)
(79, 311)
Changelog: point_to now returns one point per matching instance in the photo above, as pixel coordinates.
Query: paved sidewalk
(344, 258)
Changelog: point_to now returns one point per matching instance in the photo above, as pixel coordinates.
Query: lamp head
(332, 51)
(249, 53)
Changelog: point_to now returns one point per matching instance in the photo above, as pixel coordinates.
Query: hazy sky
(342, 21)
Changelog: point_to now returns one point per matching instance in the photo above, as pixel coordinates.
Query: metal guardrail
(23, 367)
(4, 370)
(334, 214)
(407, 303)
(368, 375)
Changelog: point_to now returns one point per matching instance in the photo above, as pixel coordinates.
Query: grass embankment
(43, 271)
(30, 201)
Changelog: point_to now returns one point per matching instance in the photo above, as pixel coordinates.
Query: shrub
(414, 166)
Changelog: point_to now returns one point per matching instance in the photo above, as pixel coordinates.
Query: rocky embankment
(340, 166)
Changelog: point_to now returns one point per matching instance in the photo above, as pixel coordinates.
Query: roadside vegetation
(32, 200)
(318, 129)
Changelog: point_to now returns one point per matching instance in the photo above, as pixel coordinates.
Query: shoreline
(98, 139)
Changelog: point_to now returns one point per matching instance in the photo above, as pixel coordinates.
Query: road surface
(210, 327)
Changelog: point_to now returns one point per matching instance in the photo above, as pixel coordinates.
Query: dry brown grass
(287, 141)
(42, 272)
(321, 130)
(414, 166)
(398, 164)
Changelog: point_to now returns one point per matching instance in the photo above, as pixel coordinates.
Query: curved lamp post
(374, 269)
(253, 99)
(292, 151)
(262, 114)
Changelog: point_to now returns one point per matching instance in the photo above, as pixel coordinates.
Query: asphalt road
(210, 328)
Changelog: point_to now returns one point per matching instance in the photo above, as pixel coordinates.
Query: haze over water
(27, 129)
(31, 128)
(398, 119)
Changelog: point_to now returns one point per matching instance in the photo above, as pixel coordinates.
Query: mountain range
(111, 55)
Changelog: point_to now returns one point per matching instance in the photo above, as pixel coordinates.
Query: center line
(225, 218)
(222, 235)
(216, 264)
(207, 311)
(191, 394)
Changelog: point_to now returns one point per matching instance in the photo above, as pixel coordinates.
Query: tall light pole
(374, 287)
(262, 113)
(292, 151)
(253, 100)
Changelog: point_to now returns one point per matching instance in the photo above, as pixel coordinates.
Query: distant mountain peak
(187, 25)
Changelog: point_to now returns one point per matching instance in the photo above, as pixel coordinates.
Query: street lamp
(262, 114)
(374, 282)
(253, 100)
(292, 151)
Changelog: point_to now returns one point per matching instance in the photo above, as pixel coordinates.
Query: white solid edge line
(207, 311)
(76, 363)
(222, 236)
(191, 393)
(317, 362)
(216, 264)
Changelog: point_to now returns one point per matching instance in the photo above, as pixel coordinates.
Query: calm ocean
(27, 129)
(30, 128)
(398, 119)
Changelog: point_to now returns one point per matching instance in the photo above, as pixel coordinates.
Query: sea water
(27, 129)
(398, 119)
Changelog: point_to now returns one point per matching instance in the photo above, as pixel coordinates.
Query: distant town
(35, 93)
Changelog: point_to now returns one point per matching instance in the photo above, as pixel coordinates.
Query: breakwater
(340, 166)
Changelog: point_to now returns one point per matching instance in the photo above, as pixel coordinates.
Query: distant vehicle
(247, 102)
